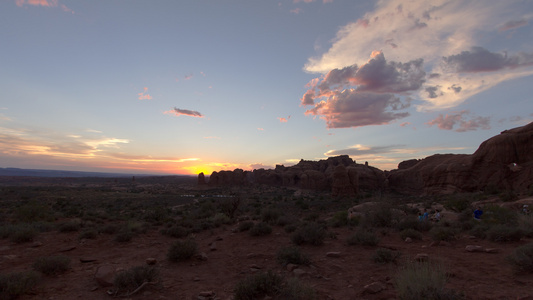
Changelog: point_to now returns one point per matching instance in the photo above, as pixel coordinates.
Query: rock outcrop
(503, 162)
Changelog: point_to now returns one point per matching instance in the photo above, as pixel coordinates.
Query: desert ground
(106, 227)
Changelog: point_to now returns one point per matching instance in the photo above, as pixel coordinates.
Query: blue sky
(181, 87)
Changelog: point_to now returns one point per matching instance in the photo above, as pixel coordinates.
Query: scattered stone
(251, 255)
(151, 261)
(70, 248)
(299, 272)
(213, 246)
(474, 248)
(333, 254)
(433, 244)
(207, 294)
(104, 275)
(201, 256)
(444, 243)
(374, 288)
(291, 267)
(421, 257)
(36, 244)
(492, 250)
(254, 266)
(196, 278)
(219, 238)
(10, 256)
(408, 240)
(87, 260)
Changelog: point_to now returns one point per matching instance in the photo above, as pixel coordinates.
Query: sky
(183, 87)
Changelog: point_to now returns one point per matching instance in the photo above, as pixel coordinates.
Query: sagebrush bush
(503, 233)
(292, 255)
(246, 225)
(522, 258)
(443, 233)
(260, 229)
(423, 280)
(294, 289)
(494, 214)
(109, 229)
(380, 216)
(176, 231)
(52, 265)
(339, 219)
(363, 238)
(258, 286)
(220, 219)
(130, 279)
(88, 234)
(310, 233)
(13, 285)
(182, 250)
(270, 215)
(22, 233)
(70, 226)
(525, 223)
(384, 255)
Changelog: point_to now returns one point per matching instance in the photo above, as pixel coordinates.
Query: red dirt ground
(478, 275)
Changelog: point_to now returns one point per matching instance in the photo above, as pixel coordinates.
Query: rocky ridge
(503, 162)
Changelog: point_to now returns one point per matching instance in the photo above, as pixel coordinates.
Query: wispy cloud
(45, 3)
(435, 45)
(144, 95)
(178, 112)
(460, 122)
(284, 120)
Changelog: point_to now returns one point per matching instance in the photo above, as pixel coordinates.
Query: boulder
(104, 275)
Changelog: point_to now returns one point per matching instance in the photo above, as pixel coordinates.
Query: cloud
(144, 95)
(284, 120)
(45, 3)
(296, 11)
(360, 96)
(451, 121)
(358, 149)
(513, 24)
(191, 113)
(440, 38)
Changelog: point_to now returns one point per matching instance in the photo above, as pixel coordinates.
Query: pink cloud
(191, 113)
(450, 121)
(260, 129)
(296, 11)
(45, 3)
(144, 95)
(284, 120)
(513, 24)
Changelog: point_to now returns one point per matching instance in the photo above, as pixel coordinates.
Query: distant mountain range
(62, 173)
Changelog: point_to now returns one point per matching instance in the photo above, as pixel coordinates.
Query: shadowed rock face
(504, 161)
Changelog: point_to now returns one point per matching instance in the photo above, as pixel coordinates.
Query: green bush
(292, 255)
(13, 285)
(88, 234)
(423, 280)
(260, 229)
(294, 289)
(258, 286)
(310, 233)
(480, 230)
(411, 233)
(130, 279)
(457, 203)
(220, 219)
(363, 238)
(33, 212)
(522, 258)
(339, 219)
(70, 226)
(247, 225)
(269, 215)
(443, 233)
(525, 223)
(290, 228)
(494, 214)
(503, 233)
(52, 265)
(384, 255)
(380, 216)
(109, 229)
(182, 250)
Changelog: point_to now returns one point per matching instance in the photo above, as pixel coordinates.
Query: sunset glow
(174, 88)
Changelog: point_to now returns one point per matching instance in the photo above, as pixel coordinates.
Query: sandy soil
(236, 255)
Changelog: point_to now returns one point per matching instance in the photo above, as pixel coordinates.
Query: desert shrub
(258, 286)
(443, 233)
(504, 233)
(109, 229)
(508, 196)
(479, 230)
(52, 265)
(457, 203)
(312, 217)
(32, 212)
(124, 236)
(13, 285)
(525, 223)
(411, 233)
(410, 222)
(522, 258)
(494, 214)
(22, 233)
(229, 206)
(220, 219)
(70, 226)
(296, 290)
(290, 228)
(176, 231)
(260, 229)
(423, 280)
(88, 234)
(285, 220)
(136, 227)
(384, 255)
(130, 279)
(269, 215)
(380, 216)
(363, 238)
(156, 215)
(339, 219)
(246, 225)
(310, 233)
(292, 255)
(182, 250)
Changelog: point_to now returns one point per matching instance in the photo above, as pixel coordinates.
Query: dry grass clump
(384, 255)
(260, 229)
(423, 280)
(522, 258)
(310, 233)
(13, 285)
(292, 255)
(182, 250)
(363, 238)
(130, 280)
(52, 265)
(272, 286)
